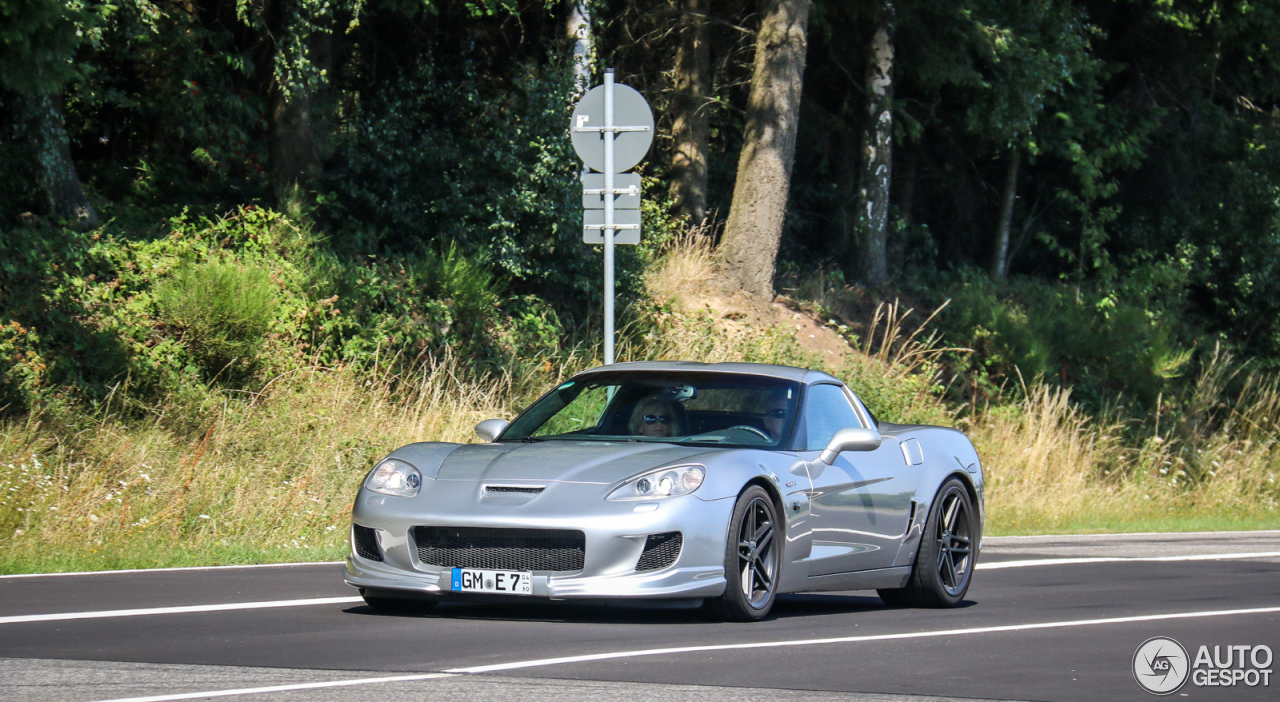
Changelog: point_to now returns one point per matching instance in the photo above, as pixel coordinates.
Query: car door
(861, 503)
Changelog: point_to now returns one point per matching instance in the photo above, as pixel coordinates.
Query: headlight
(664, 482)
(394, 477)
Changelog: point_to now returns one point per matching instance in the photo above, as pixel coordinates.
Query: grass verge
(269, 476)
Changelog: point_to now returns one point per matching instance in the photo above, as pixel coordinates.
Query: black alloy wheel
(752, 559)
(946, 557)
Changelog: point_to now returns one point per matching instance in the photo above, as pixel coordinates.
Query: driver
(775, 414)
(655, 417)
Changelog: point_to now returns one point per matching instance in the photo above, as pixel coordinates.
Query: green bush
(222, 311)
(1102, 345)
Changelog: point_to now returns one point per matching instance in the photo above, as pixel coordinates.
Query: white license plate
(505, 582)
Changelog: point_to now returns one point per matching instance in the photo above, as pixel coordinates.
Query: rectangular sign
(621, 181)
(628, 222)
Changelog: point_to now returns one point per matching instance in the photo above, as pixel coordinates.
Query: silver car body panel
(854, 524)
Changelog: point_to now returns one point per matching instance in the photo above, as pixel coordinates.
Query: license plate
(505, 582)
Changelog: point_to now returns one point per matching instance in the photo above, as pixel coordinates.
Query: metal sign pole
(611, 215)
(608, 216)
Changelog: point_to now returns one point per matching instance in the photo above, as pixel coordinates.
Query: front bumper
(615, 535)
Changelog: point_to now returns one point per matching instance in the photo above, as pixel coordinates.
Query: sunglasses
(776, 413)
(657, 418)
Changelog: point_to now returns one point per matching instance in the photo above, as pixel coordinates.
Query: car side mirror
(489, 429)
(852, 439)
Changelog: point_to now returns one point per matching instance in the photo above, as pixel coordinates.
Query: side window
(826, 411)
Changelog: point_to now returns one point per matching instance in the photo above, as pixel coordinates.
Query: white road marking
(542, 662)
(1179, 534)
(64, 616)
(852, 639)
(189, 609)
(166, 570)
(996, 565)
(281, 688)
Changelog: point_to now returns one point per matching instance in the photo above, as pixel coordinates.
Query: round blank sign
(629, 110)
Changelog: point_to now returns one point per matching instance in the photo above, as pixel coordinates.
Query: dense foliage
(335, 182)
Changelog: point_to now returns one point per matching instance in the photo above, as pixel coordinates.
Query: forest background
(247, 248)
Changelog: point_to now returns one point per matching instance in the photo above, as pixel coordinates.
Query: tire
(946, 558)
(397, 605)
(753, 559)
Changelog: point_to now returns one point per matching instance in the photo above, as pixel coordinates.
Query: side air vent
(364, 540)
(660, 551)
(516, 489)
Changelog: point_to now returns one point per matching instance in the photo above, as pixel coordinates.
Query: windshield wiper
(531, 439)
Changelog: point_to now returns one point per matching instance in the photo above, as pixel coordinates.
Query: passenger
(775, 414)
(656, 417)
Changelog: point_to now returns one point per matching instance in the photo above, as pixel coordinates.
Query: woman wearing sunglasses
(656, 417)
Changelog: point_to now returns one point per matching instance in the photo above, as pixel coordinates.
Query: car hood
(560, 461)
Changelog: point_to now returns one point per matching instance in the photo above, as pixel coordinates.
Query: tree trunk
(769, 143)
(689, 131)
(297, 134)
(577, 27)
(877, 172)
(64, 198)
(845, 140)
(1000, 256)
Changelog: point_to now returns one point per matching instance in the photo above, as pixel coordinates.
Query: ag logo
(1160, 665)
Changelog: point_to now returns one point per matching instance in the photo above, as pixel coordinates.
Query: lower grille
(364, 540)
(557, 550)
(660, 551)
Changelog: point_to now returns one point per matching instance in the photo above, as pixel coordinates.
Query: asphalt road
(1047, 618)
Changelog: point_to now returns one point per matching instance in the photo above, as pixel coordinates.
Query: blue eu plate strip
(457, 580)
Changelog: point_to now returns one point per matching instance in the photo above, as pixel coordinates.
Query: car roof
(800, 375)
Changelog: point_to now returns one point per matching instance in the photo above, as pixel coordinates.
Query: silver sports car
(722, 482)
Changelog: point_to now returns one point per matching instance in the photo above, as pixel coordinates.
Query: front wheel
(945, 560)
(752, 559)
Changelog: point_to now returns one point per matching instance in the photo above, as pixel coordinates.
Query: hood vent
(514, 489)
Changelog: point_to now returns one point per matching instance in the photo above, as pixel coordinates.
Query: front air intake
(660, 551)
(364, 541)
(548, 550)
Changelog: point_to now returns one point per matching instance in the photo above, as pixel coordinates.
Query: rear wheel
(752, 559)
(396, 605)
(946, 557)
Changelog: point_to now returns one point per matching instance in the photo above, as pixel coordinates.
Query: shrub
(222, 311)
(1101, 345)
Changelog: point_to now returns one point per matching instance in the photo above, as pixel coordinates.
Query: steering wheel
(752, 430)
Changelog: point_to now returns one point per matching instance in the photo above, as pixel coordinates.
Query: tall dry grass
(273, 474)
(270, 475)
(1213, 461)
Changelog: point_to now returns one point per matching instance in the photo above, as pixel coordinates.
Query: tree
(689, 131)
(877, 169)
(754, 227)
(38, 39)
(577, 28)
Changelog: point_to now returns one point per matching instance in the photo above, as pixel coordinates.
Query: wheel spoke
(948, 572)
(762, 574)
(765, 529)
(762, 544)
(951, 512)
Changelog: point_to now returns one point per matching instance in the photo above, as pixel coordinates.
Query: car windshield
(718, 409)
